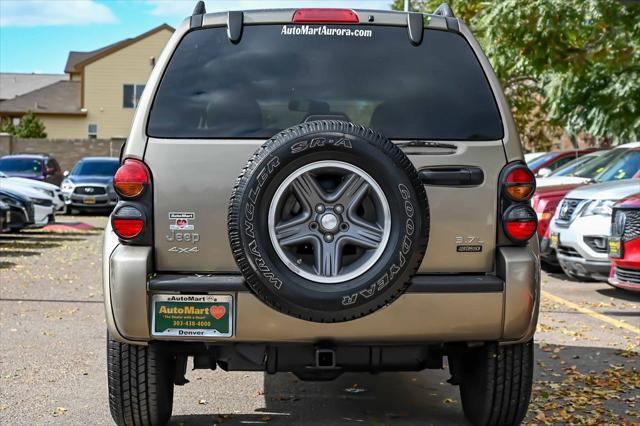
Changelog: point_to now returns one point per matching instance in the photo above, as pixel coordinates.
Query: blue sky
(36, 36)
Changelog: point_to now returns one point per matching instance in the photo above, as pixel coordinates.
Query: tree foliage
(564, 64)
(30, 127)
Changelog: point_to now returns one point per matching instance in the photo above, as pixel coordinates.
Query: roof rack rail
(199, 9)
(444, 10)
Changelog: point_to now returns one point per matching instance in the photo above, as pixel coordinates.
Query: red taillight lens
(127, 222)
(131, 179)
(519, 223)
(519, 183)
(127, 228)
(325, 16)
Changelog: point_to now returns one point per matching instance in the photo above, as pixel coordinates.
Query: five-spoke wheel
(329, 221)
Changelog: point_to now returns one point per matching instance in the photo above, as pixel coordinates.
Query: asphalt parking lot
(52, 356)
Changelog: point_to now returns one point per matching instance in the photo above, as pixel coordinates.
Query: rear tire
(496, 383)
(140, 383)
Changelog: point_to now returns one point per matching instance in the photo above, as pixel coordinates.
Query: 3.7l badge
(468, 244)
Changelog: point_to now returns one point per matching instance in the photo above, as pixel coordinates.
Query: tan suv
(320, 191)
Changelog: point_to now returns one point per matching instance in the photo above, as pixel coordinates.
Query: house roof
(16, 84)
(77, 60)
(62, 97)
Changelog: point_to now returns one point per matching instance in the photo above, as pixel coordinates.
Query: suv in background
(89, 186)
(293, 201)
(41, 167)
(580, 228)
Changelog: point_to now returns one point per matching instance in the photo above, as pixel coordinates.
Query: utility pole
(406, 5)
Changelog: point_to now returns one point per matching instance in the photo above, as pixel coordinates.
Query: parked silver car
(89, 186)
(581, 226)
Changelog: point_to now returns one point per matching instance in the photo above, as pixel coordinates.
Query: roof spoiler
(200, 9)
(198, 13)
(443, 10)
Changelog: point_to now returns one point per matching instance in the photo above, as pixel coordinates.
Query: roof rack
(444, 10)
(199, 9)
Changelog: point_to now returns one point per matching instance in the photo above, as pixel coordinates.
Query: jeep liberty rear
(320, 191)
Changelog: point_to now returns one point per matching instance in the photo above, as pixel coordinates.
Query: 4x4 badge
(184, 250)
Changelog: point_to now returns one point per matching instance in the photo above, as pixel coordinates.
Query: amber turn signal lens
(131, 179)
(519, 183)
(519, 192)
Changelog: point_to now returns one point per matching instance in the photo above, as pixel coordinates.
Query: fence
(66, 151)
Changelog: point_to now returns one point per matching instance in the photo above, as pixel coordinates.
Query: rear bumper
(434, 309)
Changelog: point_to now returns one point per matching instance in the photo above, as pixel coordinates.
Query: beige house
(101, 94)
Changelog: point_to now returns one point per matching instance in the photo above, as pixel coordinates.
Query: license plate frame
(198, 317)
(554, 240)
(89, 200)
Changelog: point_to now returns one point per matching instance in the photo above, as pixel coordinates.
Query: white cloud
(184, 8)
(31, 13)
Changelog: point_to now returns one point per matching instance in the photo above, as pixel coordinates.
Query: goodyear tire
(328, 221)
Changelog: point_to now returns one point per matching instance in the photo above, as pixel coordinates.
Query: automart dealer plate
(186, 315)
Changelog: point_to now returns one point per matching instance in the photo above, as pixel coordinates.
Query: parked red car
(624, 244)
(554, 160)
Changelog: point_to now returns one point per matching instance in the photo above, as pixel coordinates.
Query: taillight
(325, 16)
(131, 179)
(519, 222)
(519, 183)
(127, 222)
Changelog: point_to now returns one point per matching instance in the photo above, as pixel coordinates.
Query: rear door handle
(452, 176)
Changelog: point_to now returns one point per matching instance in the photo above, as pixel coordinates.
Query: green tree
(564, 64)
(30, 127)
(6, 126)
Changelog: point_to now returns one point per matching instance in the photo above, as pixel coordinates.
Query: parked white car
(47, 188)
(581, 226)
(43, 205)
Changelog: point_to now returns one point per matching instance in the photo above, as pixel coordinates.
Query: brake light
(325, 16)
(127, 222)
(131, 179)
(127, 228)
(519, 183)
(519, 222)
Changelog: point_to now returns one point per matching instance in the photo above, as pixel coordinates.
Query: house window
(93, 131)
(131, 95)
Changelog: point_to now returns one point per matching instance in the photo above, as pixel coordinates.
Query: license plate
(89, 200)
(192, 315)
(555, 239)
(615, 247)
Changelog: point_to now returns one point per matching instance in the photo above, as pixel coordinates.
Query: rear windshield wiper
(425, 144)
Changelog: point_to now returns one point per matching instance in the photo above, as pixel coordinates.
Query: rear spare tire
(328, 221)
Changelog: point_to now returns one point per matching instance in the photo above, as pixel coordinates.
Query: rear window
(20, 165)
(96, 168)
(276, 77)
